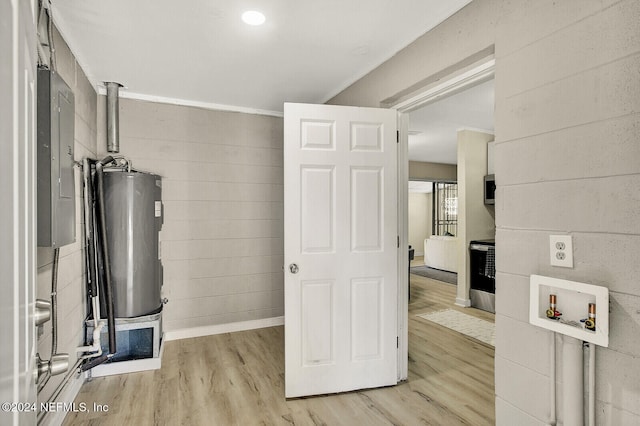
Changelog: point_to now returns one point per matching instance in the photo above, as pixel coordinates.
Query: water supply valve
(552, 312)
(58, 364)
(42, 311)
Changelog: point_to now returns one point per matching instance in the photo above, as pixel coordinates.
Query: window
(445, 208)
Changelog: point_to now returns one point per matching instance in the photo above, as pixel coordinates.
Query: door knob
(294, 268)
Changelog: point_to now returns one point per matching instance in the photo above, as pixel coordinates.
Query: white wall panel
(514, 384)
(510, 415)
(589, 147)
(221, 241)
(564, 52)
(575, 100)
(610, 414)
(522, 341)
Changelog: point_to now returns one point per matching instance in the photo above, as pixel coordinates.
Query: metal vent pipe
(113, 119)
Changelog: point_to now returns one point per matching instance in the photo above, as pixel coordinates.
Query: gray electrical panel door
(56, 189)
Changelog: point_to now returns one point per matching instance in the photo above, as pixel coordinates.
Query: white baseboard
(465, 303)
(67, 396)
(209, 330)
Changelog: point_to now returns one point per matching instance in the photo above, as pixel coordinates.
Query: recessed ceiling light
(253, 17)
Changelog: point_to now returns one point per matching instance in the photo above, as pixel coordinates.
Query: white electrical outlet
(561, 251)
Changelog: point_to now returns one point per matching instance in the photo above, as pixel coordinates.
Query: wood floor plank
(238, 379)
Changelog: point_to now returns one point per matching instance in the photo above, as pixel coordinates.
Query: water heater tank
(133, 220)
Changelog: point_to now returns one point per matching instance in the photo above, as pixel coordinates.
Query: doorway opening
(443, 157)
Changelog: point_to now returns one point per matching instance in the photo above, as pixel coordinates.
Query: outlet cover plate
(561, 251)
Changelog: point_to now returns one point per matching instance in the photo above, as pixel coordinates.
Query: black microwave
(490, 189)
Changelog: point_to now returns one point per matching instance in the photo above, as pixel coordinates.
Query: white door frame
(17, 217)
(458, 81)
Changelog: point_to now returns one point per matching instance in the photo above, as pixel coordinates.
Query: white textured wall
(71, 275)
(419, 220)
(567, 103)
(567, 161)
(222, 238)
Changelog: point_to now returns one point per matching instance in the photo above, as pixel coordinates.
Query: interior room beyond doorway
(449, 156)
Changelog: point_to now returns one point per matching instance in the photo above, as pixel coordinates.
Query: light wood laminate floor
(238, 379)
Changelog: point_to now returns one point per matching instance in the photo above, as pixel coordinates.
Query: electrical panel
(56, 183)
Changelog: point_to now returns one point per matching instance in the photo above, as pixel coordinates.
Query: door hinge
(398, 241)
(397, 136)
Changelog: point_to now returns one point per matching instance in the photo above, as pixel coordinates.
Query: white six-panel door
(341, 248)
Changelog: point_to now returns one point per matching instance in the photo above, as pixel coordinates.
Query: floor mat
(468, 325)
(435, 274)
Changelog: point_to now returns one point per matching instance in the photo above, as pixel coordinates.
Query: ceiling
(433, 128)
(201, 52)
